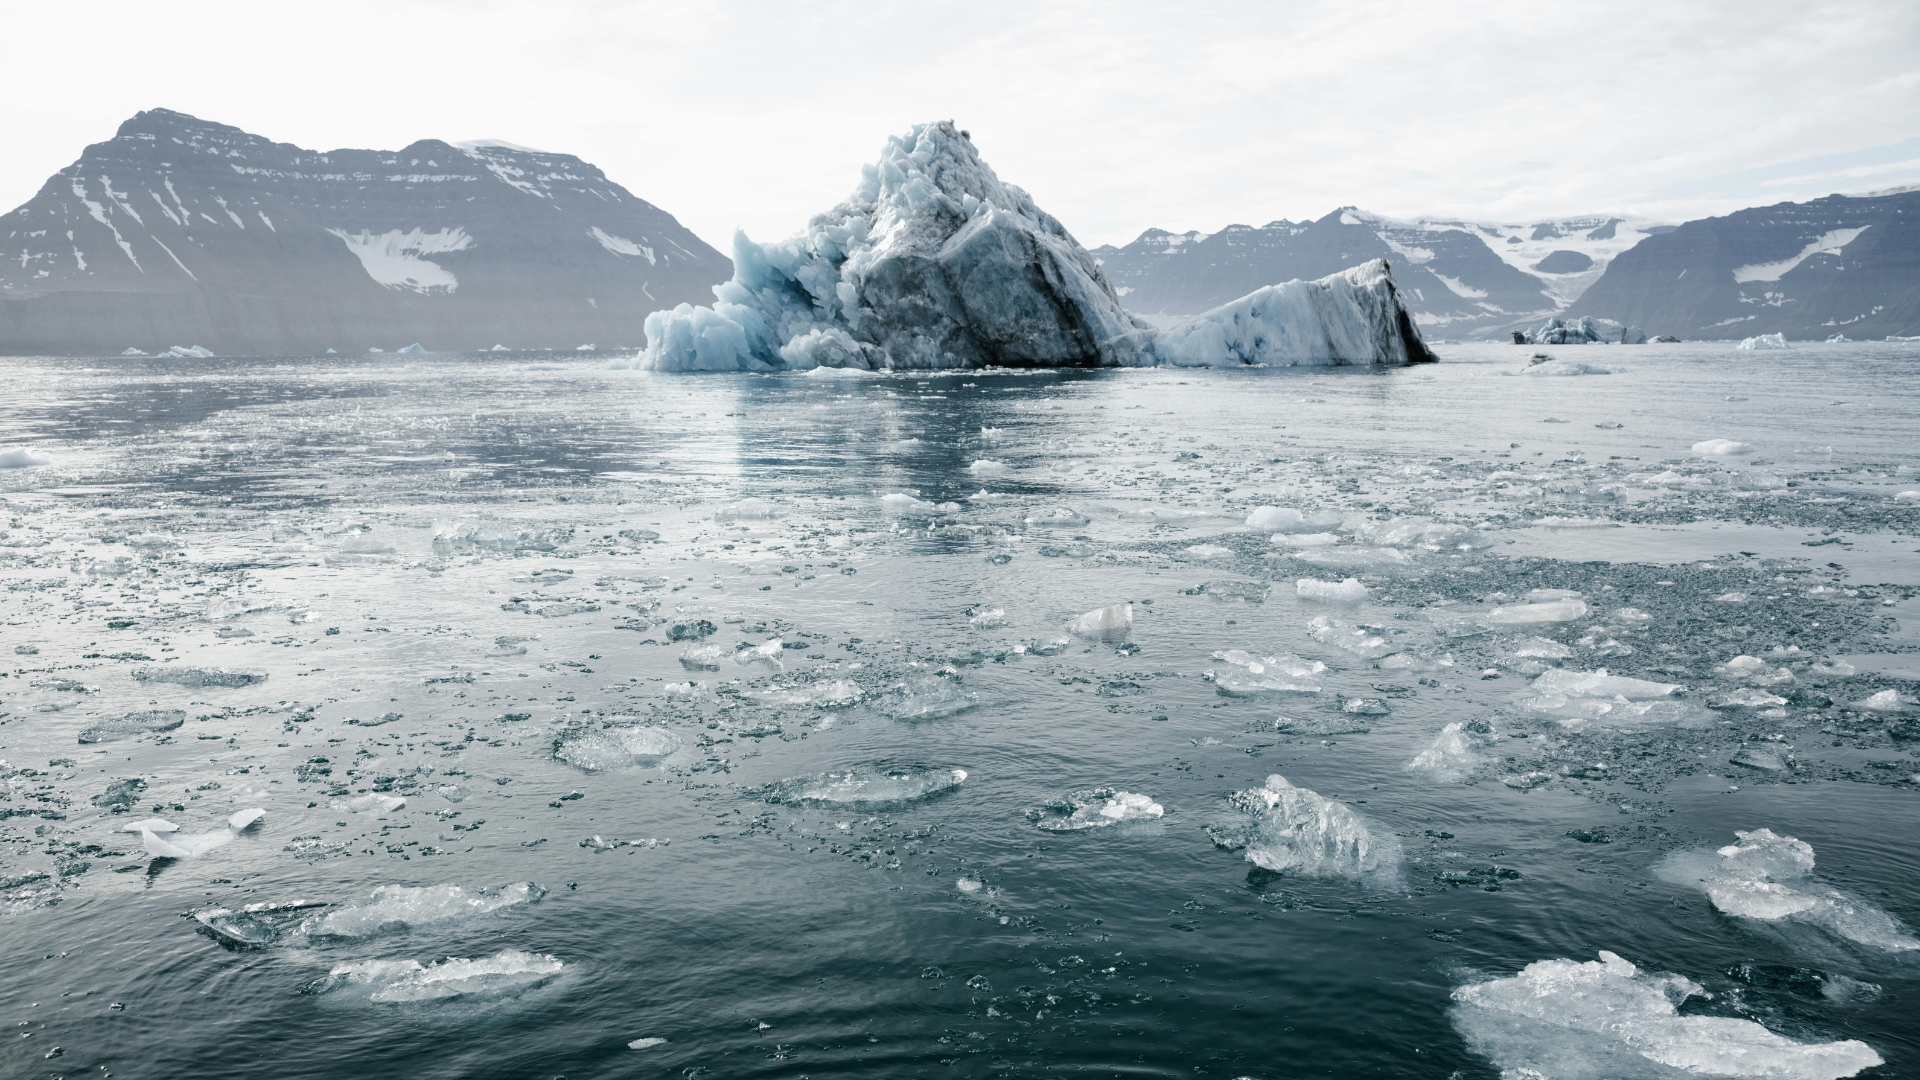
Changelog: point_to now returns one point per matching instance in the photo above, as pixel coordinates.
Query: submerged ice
(933, 263)
(1098, 808)
(1608, 1020)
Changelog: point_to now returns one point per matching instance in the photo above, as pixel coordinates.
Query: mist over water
(979, 724)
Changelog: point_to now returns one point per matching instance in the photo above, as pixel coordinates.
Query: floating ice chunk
(1095, 809)
(838, 692)
(865, 787)
(196, 352)
(132, 724)
(766, 654)
(200, 677)
(901, 505)
(254, 926)
(1746, 697)
(1764, 341)
(177, 845)
(242, 820)
(1769, 877)
(1720, 447)
(1423, 534)
(1361, 639)
(1908, 496)
(1614, 700)
(1552, 611)
(392, 909)
(1884, 701)
(1540, 647)
(1606, 1020)
(1354, 558)
(1250, 674)
(1059, 517)
(396, 981)
(152, 825)
(1278, 519)
(702, 657)
(22, 458)
(1290, 829)
(1459, 749)
(986, 467)
(1551, 366)
(1349, 591)
(1209, 551)
(133, 352)
(616, 748)
(748, 509)
(416, 347)
(986, 618)
(688, 689)
(1564, 683)
(926, 699)
(375, 803)
(646, 1044)
(1305, 540)
(1111, 623)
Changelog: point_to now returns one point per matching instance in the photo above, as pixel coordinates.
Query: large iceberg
(934, 263)
(1585, 330)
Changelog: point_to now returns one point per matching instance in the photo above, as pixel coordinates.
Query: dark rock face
(1806, 270)
(179, 231)
(1564, 262)
(1164, 273)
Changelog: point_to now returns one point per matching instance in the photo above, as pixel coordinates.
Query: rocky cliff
(178, 231)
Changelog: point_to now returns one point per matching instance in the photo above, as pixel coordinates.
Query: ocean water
(609, 725)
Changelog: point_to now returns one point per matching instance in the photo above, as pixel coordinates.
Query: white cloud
(1116, 115)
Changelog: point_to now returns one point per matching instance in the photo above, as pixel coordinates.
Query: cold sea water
(1434, 722)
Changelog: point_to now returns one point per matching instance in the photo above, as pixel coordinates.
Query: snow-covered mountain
(1457, 277)
(179, 231)
(1842, 264)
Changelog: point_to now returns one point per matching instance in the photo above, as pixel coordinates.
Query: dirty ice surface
(454, 718)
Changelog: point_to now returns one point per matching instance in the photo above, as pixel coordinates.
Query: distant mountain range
(1842, 264)
(179, 231)
(1459, 278)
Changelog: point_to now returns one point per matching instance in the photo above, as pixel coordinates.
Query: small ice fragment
(986, 467)
(1349, 591)
(1290, 829)
(1769, 877)
(969, 885)
(1277, 519)
(241, 820)
(1721, 447)
(1209, 551)
(22, 458)
(1111, 623)
(1096, 809)
(1552, 611)
(376, 803)
(1363, 640)
(1884, 701)
(646, 1044)
(862, 787)
(153, 825)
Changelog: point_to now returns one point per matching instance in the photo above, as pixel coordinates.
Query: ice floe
(1460, 749)
(1608, 1020)
(386, 982)
(1111, 623)
(1365, 640)
(865, 787)
(1581, 697)
(393, 909)
(1349, 591)
(616, 748)
(1097, 808)
(131, 725)
(1541, 610)
(1769, 877)
(163, 839)
(1247, 674)
(200, 677)
(1290, 829)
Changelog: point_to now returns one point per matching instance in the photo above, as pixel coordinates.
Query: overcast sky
(1116, 115)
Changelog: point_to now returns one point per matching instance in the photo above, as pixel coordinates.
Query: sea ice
(1349, 591)
(1769, 877)
(132, 724)
(1095, 809)
(398, 981)
(1250, 674)
(616, 748)
(865, 787)
(1459, 749)
(392, 909)
(22, 458)
(1362, 639)
(1290, 829)
(1607, 1020)
(934, 263)
(1112, 623)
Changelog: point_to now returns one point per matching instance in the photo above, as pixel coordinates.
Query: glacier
(934, 263)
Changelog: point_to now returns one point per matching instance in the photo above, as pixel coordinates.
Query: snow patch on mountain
(1826, 244)
(394, 258)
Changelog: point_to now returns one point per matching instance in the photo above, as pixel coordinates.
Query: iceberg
(1607, 1018)
(1764, 342)
(1585, 330)
(934, 263)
